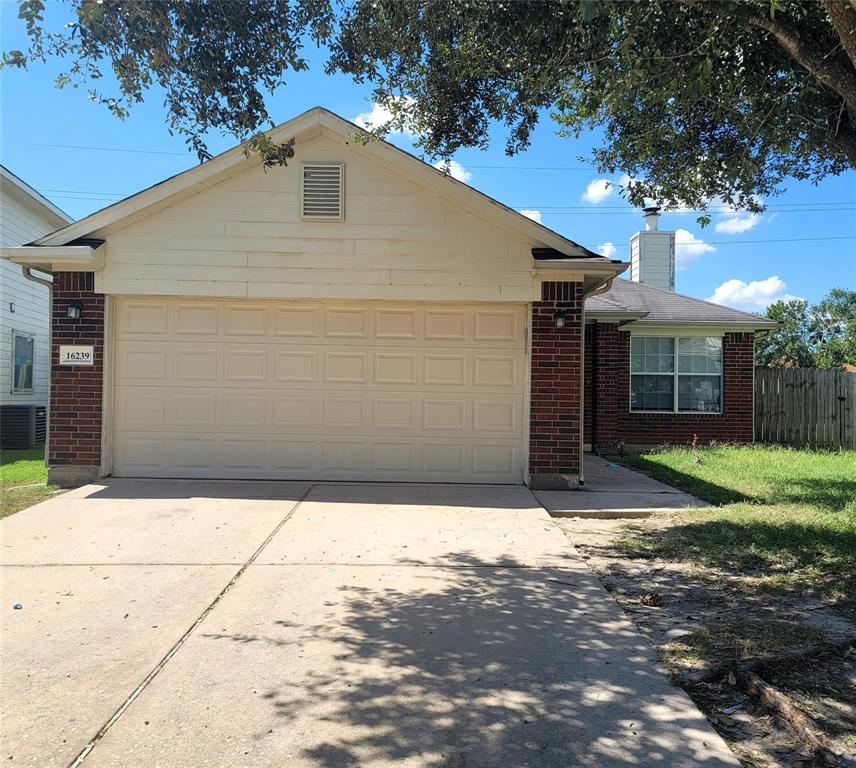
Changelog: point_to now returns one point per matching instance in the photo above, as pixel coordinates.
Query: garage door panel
(193, 454)
(395, 458)
(144, 318)
(296, 366)
(396, 324)
(196, 320)
(371, 413)
(345, 368)
(346, 323)
(396, 368)
(311, 457)
(307, 390)
(395, 414)
(294, 411)
(297, 322)
(143, 362)
(495, 371)
(245, 365)
(497, 325)
(382, 323)
(191, 364)
(190, 409)
(244, 320)
(295, 458)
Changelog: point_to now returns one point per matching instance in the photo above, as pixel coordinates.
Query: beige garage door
(374, 391)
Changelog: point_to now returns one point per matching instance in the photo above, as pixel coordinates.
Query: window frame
(19, 390)
(675, 374)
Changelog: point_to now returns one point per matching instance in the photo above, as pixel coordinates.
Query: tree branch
(830, 73)
(843, 18)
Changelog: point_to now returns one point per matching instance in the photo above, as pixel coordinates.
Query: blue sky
(43, 131)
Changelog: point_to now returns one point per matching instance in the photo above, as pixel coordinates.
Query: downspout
(602, 288)
(27, 272)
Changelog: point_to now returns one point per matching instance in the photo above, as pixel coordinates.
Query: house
(357, 315)
(24, 315)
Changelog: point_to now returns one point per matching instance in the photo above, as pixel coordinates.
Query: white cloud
(378, 116)
(688, 248)
(454, 169)
(754, 296)
(736, 222)
(532, 214)
(598, 190)
(607, 249)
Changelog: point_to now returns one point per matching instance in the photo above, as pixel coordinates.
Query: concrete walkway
(189, 624)
(613, 491)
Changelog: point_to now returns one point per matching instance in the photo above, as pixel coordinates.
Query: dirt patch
(705, 622)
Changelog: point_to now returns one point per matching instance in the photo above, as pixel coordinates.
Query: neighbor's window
(676, 374)
(22, 362)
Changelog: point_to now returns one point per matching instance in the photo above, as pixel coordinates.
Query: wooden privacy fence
(810, 407)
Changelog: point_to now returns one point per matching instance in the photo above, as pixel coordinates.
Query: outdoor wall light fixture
(559, 318)
(75, 309)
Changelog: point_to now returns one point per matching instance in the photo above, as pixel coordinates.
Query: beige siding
(244, 237)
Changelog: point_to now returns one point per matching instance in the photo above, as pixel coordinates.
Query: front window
(676, 374)
(22, 362)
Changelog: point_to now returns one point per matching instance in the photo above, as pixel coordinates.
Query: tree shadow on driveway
(471, 665)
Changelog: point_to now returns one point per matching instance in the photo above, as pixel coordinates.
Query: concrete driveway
(179, 623)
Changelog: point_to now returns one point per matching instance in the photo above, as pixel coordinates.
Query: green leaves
(697, 100)
(821, 335)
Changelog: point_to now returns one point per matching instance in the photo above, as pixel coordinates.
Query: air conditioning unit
(23, 426)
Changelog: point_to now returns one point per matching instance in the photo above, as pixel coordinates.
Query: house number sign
(76, 355)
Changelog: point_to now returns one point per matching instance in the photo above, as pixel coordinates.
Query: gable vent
(322, 193)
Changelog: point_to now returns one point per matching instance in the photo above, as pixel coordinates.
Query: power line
(107, 197)
(95, 149)
(557, 209)
(713, 208)
(745, 242)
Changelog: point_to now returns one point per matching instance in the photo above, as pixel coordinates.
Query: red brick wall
(554, 437)
(608, 401)
(76, 391)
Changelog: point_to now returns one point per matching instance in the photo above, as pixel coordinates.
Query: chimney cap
(651, 209)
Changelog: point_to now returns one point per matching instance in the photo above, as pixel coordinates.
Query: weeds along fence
(807, 407)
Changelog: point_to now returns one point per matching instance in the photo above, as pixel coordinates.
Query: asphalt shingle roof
(661, 306)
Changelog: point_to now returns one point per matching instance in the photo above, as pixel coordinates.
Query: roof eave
(57, 258)
(737, 325)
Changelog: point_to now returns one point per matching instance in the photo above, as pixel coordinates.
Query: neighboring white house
(24, 216)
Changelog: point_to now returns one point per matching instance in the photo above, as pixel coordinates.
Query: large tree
(697, 100)
(821, 335)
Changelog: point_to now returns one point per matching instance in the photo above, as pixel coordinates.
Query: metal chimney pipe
(651, 215)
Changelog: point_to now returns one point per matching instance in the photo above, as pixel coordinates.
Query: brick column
(75, 417)
(608, 400)
(556, 388)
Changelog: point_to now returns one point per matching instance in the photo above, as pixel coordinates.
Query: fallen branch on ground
(800, 653)
(775, 700)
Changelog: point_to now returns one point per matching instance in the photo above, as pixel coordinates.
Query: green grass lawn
(23, 478)
(784, 514)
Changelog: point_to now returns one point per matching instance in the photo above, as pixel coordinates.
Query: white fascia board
(575, 270)
(61, 258)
